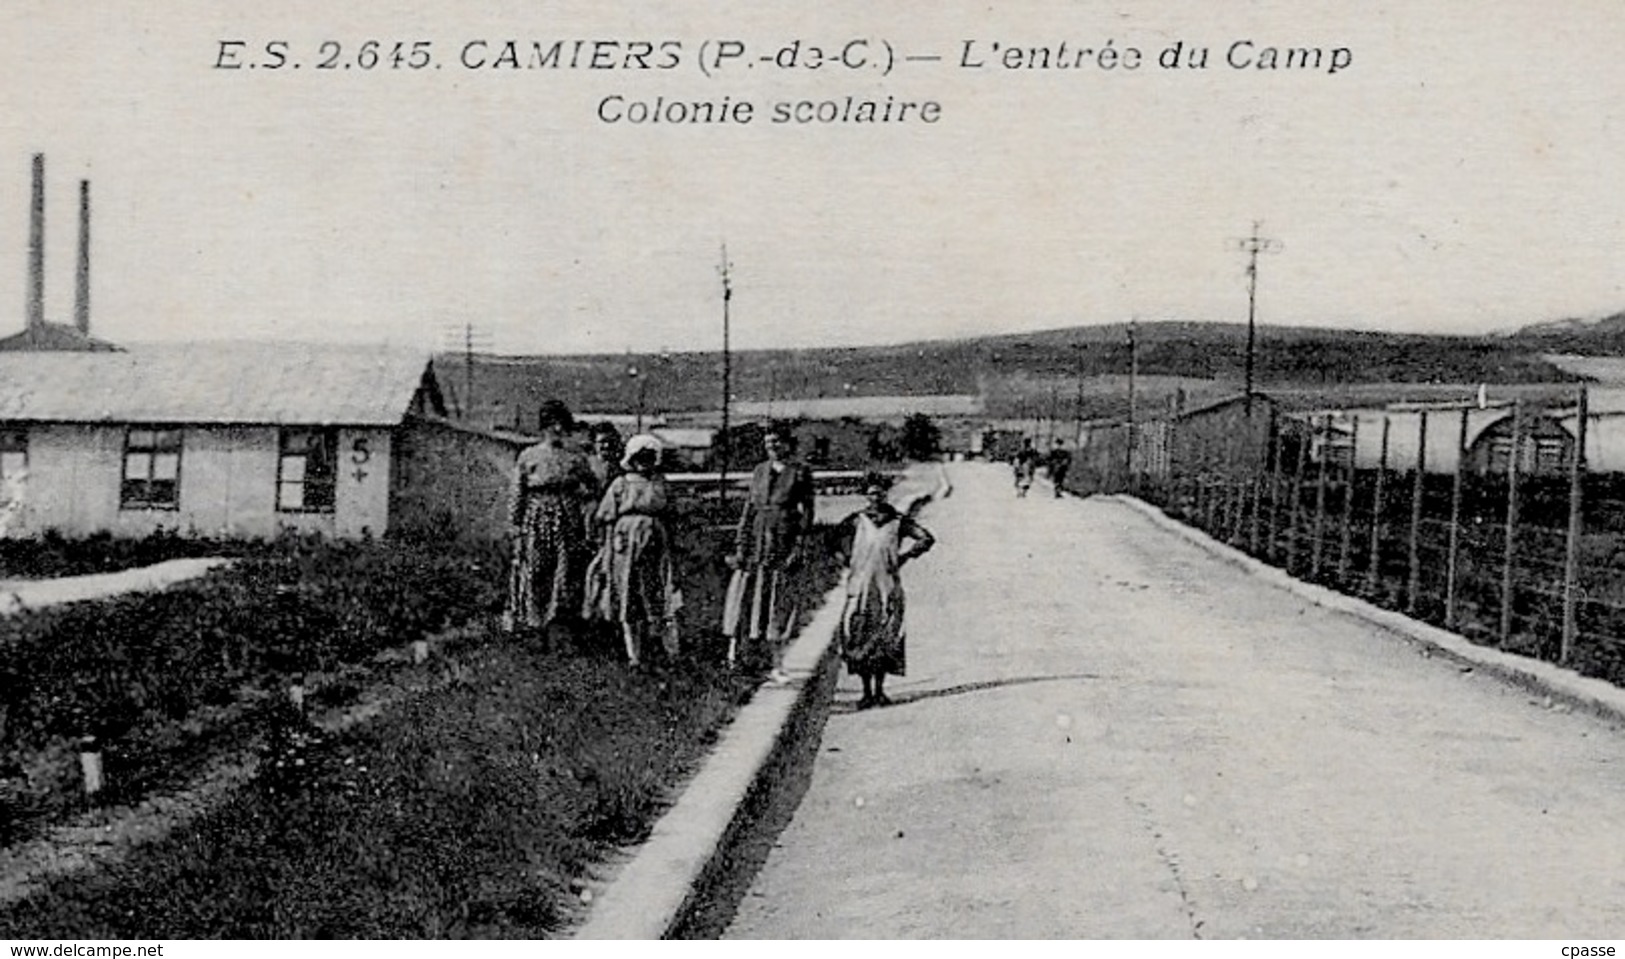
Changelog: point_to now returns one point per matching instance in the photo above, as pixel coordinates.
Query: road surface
(1108, 733)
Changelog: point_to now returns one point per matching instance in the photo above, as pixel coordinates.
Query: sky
(1459, 174)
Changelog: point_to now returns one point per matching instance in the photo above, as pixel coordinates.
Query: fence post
(1187, 483)
(1454, 558)
(1240, 499)
(1198, 470)
(1232, 497)
(1317, 549)
(1249, 466)
(1193, 496)
(1275, 486)
(1571, 564)
(1174, 470)
(1207, 500)
(1507, 585)
(1257, 485)
(1297, 505)
(1372, 567)
(1350, 476)
(90, 765)
(1413, 582)
(1232, 514)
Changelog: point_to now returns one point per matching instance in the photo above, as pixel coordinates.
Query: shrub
(53, 555)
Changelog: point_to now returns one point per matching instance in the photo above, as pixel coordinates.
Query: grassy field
(476, 806)
(474, 810)
(165, 680)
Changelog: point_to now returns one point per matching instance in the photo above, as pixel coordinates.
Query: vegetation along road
(1106, 732)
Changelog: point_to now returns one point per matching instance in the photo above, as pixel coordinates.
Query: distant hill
(1010, 370)
(1605, 336)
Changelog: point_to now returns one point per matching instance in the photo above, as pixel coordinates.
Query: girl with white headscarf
(636, 585)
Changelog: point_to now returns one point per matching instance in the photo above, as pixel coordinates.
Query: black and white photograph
(1143, 472)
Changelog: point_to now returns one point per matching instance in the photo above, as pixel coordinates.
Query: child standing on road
(872, 634)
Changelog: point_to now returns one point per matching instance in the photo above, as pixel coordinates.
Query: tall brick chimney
(36, 248)
(81, 288)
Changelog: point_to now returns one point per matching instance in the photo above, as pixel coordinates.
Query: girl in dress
(639, 590)
(872, 633)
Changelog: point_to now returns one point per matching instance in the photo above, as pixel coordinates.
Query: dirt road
(1105, 732)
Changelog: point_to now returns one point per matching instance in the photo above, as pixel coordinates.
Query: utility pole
(1054, 410)
(1252, 246)
(637, 375)
(1077, 405)
(468, 367)
(727, 379)
(1571, 561)
(465, 338)
(665, 367)
(1133, 375)
(772, 387)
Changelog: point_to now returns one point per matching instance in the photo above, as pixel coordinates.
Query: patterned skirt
(544, 580)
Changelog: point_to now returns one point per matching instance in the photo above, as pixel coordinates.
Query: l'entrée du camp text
(735, 59)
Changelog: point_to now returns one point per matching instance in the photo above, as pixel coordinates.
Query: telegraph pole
(772, 387)
(465, 338)
(1252, 246)
(1077, 406)
(468, 367)
(727, 379)
(1054, 411)
(1133, 375)
(636, 374)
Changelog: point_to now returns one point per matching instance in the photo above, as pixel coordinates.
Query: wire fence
(1488, 520)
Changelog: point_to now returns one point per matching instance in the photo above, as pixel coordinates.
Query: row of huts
(1235, 435)
(239, 439)
(235, 440)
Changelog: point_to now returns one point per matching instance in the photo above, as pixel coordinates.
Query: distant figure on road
(764, 592)
(872, 631)
(1025, 464)
(547, 527)
(635, 583)
(1060, 462)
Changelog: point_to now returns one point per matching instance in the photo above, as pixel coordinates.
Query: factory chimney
(36, 248)
(81, 289)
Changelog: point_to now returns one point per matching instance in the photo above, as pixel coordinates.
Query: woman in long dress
(547, 526)
(873, 638)
(639, 584)
(763, 598)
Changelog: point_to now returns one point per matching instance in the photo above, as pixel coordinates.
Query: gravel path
(18, 594)
(1108, 733)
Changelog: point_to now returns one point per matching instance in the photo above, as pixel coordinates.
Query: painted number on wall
(360, 453)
